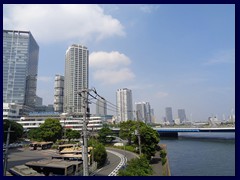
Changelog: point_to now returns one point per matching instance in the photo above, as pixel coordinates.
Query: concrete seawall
(166, 166)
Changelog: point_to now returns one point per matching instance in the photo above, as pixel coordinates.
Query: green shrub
(137, 167)
(164, 160)
(163, 153)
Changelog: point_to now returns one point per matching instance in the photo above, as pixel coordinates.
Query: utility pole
(84, 94)
(6, 151)
(138, 133)
(85, 143)
(93, 147)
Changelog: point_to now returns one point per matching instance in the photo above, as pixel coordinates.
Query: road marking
(121, 164)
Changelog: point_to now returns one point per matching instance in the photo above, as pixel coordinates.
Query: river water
(201, 154)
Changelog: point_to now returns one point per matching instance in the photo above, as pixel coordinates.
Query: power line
(113, 110)
(97, 95)
(95, 91)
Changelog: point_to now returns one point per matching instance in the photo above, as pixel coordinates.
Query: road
(21, 156)
(115, 158)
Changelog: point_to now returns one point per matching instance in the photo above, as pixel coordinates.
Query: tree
(51, 130)
(72, 134)
(127, 130)
(149, 140)
(163, 155)
(99, 152)
(103, 133)
(15, 127)
(34, 134)
(137, 167)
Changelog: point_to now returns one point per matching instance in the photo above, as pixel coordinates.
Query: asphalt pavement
(20, 156)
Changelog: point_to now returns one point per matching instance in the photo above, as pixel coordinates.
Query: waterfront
(201, 154)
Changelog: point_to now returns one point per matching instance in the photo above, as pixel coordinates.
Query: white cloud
(58, 22)
(161, 94)
(113, 76)
(148, 8)
(108, 60)
(226, 56)
(110, 67)
(45, 79)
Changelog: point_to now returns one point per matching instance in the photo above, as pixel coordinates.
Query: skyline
(179, 56)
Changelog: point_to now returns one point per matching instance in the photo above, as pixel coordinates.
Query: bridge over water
(174, 131)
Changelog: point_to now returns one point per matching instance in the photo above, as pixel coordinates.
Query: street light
(124, 146)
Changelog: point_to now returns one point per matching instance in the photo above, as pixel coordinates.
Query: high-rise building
(20, 67)
(153, 118)
(169, 115)
(143, 111)
(58, 93)
(76, 77)
(39, 101)
(101, 107)
(124, 105)
(182, 115)
(149, 116)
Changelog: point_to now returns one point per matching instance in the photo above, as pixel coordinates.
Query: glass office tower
(20, 66)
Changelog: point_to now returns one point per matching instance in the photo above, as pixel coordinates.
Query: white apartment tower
(124, 105)
(58, 93)
(76, 77)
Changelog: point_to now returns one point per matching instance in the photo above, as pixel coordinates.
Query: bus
(44, 145)
(23, 170)
(56, 167)
(40, 145)
(71, 149)
(69, 157)
(66, 146)
(33, 146)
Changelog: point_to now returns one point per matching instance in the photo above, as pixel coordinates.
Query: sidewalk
(156, 163)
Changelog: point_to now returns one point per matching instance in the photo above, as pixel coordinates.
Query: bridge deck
(195, 129)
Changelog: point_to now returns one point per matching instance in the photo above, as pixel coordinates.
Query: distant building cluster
(170, 120)
(21, 103)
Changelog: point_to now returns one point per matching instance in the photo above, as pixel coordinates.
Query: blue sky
(182, 56)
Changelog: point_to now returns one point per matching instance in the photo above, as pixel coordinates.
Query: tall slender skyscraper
(58, 93)
(141, 111)
(182, 115)
(20, 67)
(169, 115)
(124, 105)
(101, 107)
(76, 77)
(148, 111)
(144, 111)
